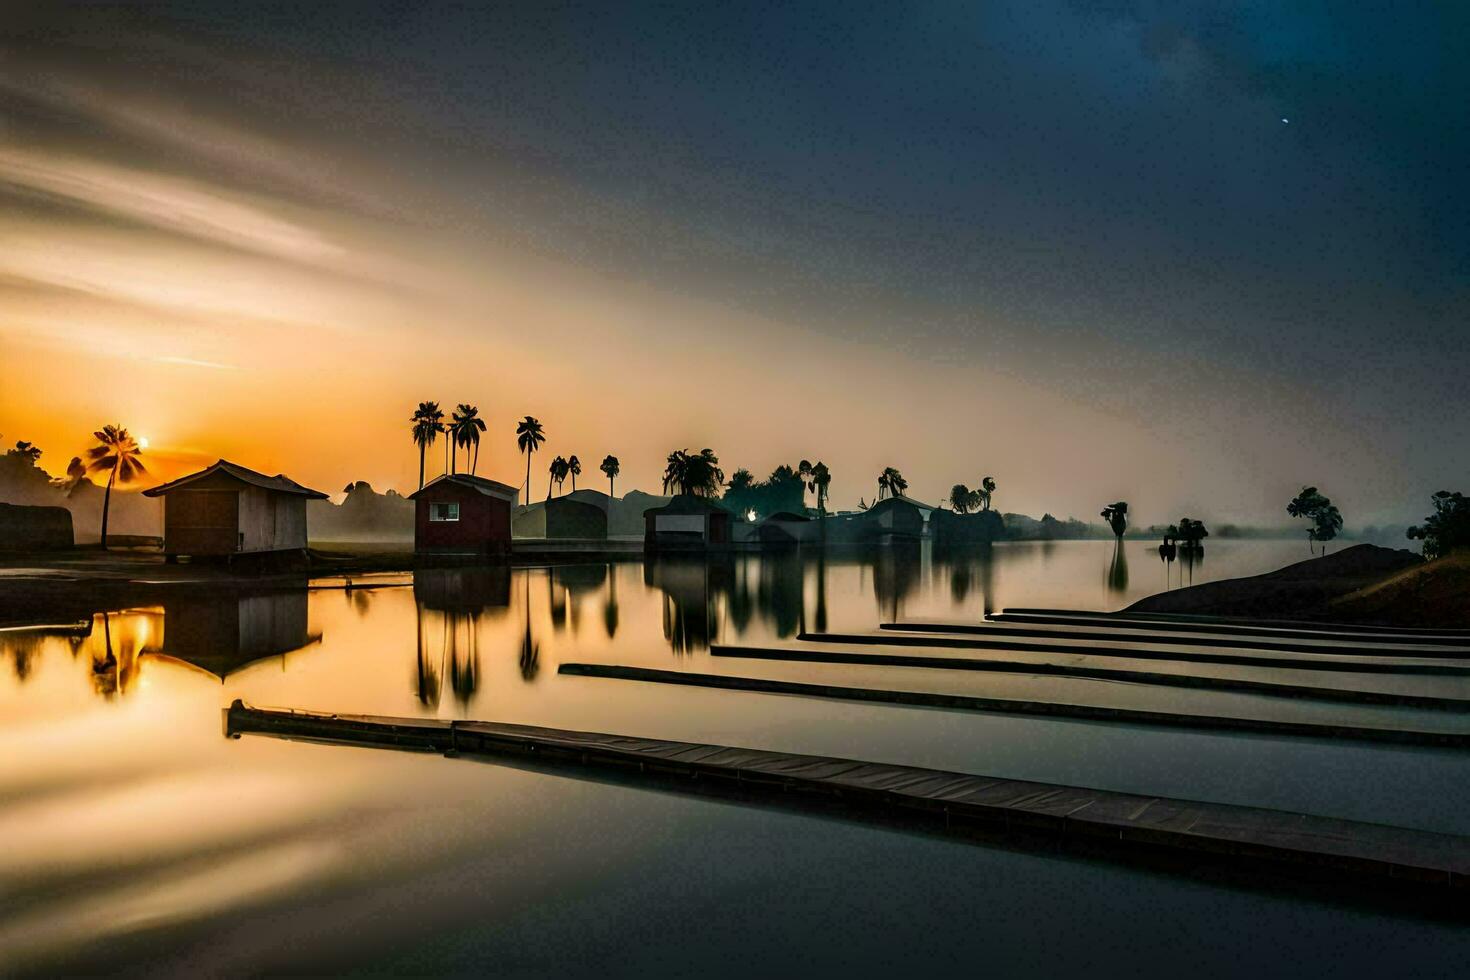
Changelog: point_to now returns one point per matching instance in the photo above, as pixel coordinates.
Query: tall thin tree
(529, 437)
(427, 423)
(116, 454)
(611, 468)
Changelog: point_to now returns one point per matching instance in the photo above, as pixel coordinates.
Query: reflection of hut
(462, 514)
(686, 523)
(223, 635)
(227, 509)
(467, 590)
(786, 528)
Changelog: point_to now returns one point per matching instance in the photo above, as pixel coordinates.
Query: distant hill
(363, 515)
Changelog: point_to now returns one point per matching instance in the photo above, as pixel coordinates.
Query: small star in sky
(1285, 120)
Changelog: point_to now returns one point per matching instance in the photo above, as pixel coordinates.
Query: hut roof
(688, 503)
(480, 484)
(279, 483)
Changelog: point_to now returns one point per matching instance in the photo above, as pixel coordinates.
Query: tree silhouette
(558, 469)
(611, 468)
(821, 479)
(891, 483)
(987, 487)
(1323, 518)
(804, 470)
(1117, 517)
(960, 498)
(529, 437)
(697, 474)
(26, 450)
(116, 453)
(1448, 528)
(427, 423)
(574, 467)
(465, 429)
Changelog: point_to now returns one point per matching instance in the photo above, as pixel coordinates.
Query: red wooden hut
(460, 514)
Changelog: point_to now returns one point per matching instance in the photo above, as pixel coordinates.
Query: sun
(142, 442)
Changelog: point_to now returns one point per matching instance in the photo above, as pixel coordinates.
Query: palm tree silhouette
(574, 467)
(465, 429)
(804, 470)
(821, 479)
(427, 424)
(611, 468)
(558, 469)
(116, 453)
(529, 437)
(1117, 517)
(891, 483)
(987, 487)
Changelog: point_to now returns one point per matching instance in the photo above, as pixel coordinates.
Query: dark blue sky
(1195, 209)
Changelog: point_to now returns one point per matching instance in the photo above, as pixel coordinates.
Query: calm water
(133, 836)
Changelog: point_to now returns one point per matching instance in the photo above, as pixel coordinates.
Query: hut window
(444, 512)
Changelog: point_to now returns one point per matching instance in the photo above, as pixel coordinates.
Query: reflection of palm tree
(610, 610)
(611, 468)
(529, 437)
(530, 650)
(428, 677)
(464, 671)
(822, 591)
(1118, 568)
(116, 454)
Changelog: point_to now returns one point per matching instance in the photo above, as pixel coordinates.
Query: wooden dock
(1121, 824)
(1053, 709)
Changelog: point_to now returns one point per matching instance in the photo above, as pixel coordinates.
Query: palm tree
(610, 468)
(427, 424)
(1117, 517)
(804, 470)
(465, 429)
(820, 481)
(987, 487)
(574, 467)
(891, 483)
(959, 498)
(697, 474)
(676, 466)
(558, 469)
(529, 437)
(116, 453)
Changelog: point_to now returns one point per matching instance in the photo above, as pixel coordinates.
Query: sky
(1190, 255)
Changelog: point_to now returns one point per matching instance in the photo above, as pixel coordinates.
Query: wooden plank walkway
(1341, 695)
(1055, 709)
(1411, 634)
(1124, 632)
(1100, 648)
(933, 799)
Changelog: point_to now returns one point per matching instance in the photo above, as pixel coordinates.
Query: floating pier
(1310, 692)
(1119, 824)
(1054, 709)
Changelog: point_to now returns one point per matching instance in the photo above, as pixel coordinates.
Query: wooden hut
(460, 514)
(228, 509)
(686, 523)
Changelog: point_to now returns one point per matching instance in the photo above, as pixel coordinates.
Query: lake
(137, 838)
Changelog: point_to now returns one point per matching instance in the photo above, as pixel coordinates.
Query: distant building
(460, 514)
(25, 528)
(686, 523)
(577, 516)
(228, 509)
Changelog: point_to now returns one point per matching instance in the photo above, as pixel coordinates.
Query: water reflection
(1118, 569)
(449, 605)
(466, 625)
